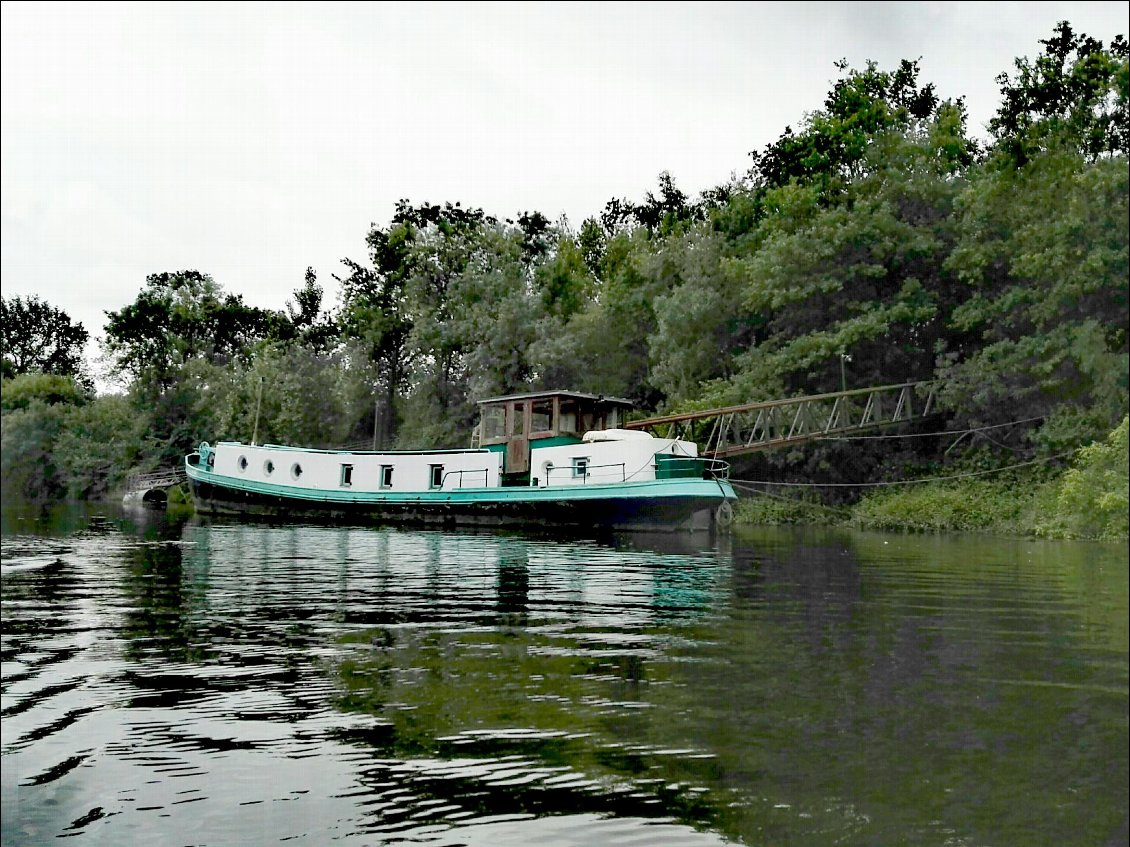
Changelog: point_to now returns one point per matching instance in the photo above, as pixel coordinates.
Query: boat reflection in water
(247, 683)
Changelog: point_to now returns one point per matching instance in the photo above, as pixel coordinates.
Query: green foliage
(28, 467)
(49, 389)
(177, 318)
(1044, 253)
(976, 504)
(1094, 497)
(876, 244)
(99, 445)
(1075, 91)
(700, 323)
(291, 394)
(35, 336)
(767, 509)
(833, 147)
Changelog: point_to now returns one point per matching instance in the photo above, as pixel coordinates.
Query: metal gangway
(151, 489)
(165, 478)
(736, 430)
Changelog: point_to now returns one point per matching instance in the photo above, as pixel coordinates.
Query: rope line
(902, 481)
(794, 500)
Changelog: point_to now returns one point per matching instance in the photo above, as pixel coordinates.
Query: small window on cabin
(243, 463)
(494, 422)
(296, 470)
(268, 467)
(541, 419)
(437, 476)
(518, 419)
(347, 474)
(386, 476)
(580, 467)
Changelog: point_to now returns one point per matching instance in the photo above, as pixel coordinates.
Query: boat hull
(675, 505)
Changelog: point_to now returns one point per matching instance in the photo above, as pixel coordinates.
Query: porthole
(268, 467)
(296, 470)
(243, 463)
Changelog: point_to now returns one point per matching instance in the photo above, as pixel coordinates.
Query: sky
(251, 141)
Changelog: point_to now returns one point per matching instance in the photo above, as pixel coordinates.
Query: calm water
(226, 684)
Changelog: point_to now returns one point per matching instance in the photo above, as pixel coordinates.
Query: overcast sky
(250, 141)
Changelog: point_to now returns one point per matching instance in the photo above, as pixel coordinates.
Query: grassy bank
(1089, 499)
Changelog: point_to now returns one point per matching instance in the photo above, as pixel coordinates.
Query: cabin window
(296, 470)
(268, 467)
(347, 474)
(437, 476)
(386, 476)
(580, 467)
(494, 422)
(541, 419)
(243, 463)
(518, 419)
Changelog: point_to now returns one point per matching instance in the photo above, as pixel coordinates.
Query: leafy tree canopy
(1074, 92)
(830, 149)
(182, 316)
(35, 336)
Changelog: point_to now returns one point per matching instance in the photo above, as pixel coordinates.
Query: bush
(1094, 497)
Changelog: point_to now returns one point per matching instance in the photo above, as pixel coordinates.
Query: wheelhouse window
(437, 476)
(580, 467)
(347, 474)
(494, 422)
(541, 416)
(386, 476)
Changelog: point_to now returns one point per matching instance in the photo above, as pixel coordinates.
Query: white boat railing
(584, 474)
(483, 471)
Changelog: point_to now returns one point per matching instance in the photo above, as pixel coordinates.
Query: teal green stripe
(645, 489)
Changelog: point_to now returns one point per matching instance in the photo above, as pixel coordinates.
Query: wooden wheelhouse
(518, 423)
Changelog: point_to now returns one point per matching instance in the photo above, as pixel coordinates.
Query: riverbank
(1088, 500)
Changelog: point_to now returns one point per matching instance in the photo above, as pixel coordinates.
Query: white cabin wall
(322, 471)
(604, 460)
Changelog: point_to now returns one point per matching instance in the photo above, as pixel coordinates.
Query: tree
(1043, 251)
(858, 272)
(174, 344)
(35, 336)
(179, 317)
(305, 321)
(830, 150)
(1075, 92)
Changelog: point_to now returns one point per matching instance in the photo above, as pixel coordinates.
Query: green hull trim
(650, 505)
(719, 490)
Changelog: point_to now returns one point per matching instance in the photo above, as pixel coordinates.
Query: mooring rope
(749, 482)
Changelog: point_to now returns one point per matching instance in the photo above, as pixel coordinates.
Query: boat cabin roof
(519, 419)
(570, 395)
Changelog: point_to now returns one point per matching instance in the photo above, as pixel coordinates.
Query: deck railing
(484, 471)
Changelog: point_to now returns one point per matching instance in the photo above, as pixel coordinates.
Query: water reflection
(231, 683)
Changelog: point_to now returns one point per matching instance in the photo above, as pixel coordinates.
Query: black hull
(616, 514)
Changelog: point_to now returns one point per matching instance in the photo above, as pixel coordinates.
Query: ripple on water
(249, 683)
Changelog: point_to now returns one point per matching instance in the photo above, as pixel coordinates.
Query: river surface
(188, 683)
